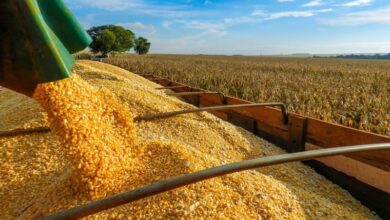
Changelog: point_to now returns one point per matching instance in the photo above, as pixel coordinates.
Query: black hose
(24, 131)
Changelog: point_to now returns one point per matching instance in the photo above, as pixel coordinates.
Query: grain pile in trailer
(96, 150)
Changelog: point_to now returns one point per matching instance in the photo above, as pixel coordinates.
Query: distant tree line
(361, 56)
(116, 39)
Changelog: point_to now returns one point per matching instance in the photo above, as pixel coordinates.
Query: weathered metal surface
(361, 171)
(297, 127)
(326, 134)
(242, 121)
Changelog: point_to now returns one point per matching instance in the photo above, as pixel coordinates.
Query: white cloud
(216, 28)
(379, 16)
(167, 24)
(139, 28)
(259, 13)
(357, 3)
(211, 28)
(285, 0)
(112, 5)
(313, 3)
(207, 28)
(285, 14)
(137, 7)
(258, 16)
(297, 14)
(241, 20)
(203, 25)
(294, 14)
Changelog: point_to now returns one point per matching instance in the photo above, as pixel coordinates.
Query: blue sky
(247, 27)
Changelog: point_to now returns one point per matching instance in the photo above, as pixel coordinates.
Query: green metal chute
(37, 38)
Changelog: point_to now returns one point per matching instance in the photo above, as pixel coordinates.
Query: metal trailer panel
(364, 175)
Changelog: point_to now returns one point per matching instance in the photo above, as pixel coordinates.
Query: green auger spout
(37, 38)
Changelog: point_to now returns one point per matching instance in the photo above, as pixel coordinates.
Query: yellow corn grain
(96, 152)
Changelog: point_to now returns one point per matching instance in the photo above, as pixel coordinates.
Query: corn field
(354, 93)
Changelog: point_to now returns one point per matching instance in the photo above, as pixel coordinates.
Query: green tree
(111, 38)
(142, 45)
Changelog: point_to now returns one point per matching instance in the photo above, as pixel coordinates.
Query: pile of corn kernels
(95, 149)
(96, 131)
